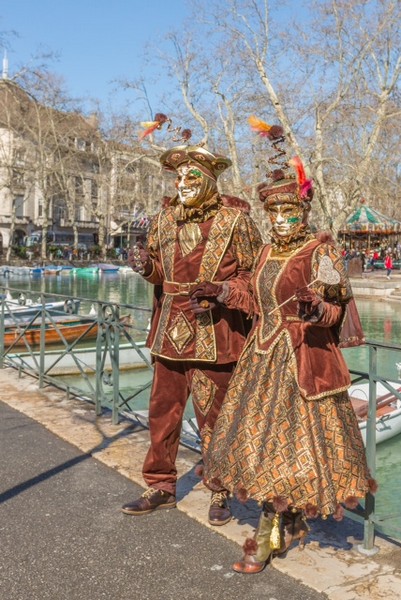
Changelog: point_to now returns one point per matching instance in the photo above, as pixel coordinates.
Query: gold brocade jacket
(321, 368)
(185, 253)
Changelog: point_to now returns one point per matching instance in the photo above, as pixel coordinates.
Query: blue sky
(97, 41)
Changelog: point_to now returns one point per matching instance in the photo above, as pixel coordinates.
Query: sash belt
(173, 288)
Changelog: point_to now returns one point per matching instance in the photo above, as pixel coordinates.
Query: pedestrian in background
(388, 264)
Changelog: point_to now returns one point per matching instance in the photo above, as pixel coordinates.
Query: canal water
(381, 321)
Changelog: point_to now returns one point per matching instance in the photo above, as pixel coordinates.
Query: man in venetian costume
(287, 435)
(192, 240)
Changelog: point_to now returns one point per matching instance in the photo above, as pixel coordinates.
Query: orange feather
(259, 126)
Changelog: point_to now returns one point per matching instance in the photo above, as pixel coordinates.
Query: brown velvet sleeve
(243, 298)
(153, 247)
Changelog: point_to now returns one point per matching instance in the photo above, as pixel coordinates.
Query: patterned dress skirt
(270, 442)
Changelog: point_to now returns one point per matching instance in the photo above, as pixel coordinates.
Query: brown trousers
(173, 382)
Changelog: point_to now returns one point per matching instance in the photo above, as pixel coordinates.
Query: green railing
(377, 426)
(107, 364)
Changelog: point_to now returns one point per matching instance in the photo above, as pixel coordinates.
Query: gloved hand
(139, 259)
(309, 303)
(204, 297)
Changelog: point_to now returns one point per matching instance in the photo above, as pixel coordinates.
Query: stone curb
(342, 574)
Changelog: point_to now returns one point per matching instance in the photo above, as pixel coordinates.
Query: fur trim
(215, 484)
(373, 485)
(241, 495)
(280, 504)
(199, 470)
(311, 511)
(351, 502)
(250, 546)
(338, 515)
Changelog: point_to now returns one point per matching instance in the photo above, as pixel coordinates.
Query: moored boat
(6, 271)
(58, 329)
(25, 307)
(107, 268)
(388, 409)
(59, 362)
(52, 270)
(93, 270)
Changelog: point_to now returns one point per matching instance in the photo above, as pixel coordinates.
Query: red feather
(305, 184)
(150, 128)
(296, 162)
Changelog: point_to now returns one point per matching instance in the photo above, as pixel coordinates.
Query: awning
(368, 219)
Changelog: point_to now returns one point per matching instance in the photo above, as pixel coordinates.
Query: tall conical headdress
(288, 176)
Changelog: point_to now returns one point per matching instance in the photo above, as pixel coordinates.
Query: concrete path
(64, 475)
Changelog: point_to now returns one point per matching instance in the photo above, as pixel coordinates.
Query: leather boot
(150, 500)
(219, 510)
(255, 563)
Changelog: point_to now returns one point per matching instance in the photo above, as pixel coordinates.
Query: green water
(381, 322)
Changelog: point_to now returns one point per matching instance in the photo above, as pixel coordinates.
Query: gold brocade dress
(269, 440)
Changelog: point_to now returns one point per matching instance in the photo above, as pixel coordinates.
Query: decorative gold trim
(218, 240)
(203, 391)
(180, 332)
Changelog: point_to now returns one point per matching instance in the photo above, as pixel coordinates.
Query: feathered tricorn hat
(282, 179)
(208, 163)
(211, 164)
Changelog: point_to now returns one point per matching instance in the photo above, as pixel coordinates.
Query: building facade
(61, 181)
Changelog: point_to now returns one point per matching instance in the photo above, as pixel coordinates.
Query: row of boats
(21, 271)
(23, 330)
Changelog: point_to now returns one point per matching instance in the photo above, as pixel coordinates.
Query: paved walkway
(64, 475)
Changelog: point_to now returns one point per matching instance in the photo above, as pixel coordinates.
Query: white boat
(7, 271)
(388, 409)
(25, 307)
(58, 362)
(106, 267)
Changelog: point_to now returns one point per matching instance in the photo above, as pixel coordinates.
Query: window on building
(94, 189)
(59, 210)
(79, 213)
(80, 144)
(79, 185)
(19, 156)
(18, 177)
(19, 206)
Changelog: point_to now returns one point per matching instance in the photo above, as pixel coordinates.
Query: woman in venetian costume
(287, 435)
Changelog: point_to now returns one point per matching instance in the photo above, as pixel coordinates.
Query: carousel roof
(366, 218)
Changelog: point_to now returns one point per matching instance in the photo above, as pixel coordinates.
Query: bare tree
(331, 78)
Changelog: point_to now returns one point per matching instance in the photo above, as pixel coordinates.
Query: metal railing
(106, 350)
(94, 370)
(375, 424)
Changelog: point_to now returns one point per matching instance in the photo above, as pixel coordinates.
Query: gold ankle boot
(265, 542)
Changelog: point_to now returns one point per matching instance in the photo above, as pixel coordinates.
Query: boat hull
(388, 412)
(54, 334)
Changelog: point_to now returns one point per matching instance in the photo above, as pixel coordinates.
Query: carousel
(369, 229)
